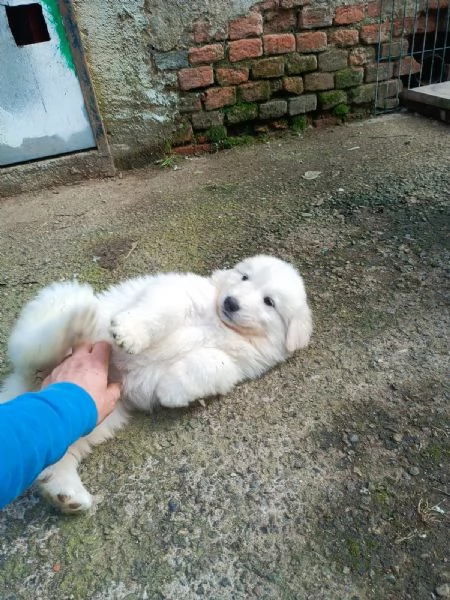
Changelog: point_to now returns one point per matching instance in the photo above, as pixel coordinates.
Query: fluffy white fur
(176, 338)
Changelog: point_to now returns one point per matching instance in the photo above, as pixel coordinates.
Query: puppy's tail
(60, 316)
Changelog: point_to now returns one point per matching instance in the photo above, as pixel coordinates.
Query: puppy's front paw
(129, 333)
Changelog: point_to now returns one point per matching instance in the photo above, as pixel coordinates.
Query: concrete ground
(328, 478)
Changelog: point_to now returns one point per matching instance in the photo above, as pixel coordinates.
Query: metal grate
(413, 48)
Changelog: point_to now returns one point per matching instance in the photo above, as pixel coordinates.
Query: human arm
(37, 428)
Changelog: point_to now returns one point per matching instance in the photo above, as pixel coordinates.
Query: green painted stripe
(52, 10)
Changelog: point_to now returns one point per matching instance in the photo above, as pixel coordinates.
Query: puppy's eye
(244, 277)
(268, 300)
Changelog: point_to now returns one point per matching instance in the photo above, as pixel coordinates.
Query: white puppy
(176, 338)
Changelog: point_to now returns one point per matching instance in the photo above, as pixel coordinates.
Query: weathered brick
(373, 34)
(295, 3)
(318, 81)
(239, 113)
(279, 43)
(332, 98)
(313, 18)
(190, 103)
(276, 85)
(217, 97)
(300, 63)
(345, 15)
(388, 89)
(344, 37)
(204, 32)
(361, 56)
(302, 104)
(407, 65)
(311, 41)
(166, 61)
(242, 49)
(394, 49)
(379, 72)
(273, 109)
(349, 77)
(363, 94)
(227, 76)
(182, 133)
(293, 85)
(206, 54)
(333, 60)
(244, 27)
(205, 120)
(280, 21)
(374, 9)
(268, 67)
(197, 77)
(254, 91)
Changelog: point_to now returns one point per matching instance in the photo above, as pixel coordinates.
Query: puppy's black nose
(230, 304)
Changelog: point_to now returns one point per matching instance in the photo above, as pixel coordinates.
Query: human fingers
(81, 347)
(109, 401)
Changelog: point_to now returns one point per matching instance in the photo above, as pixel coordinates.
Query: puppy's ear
(299, 330)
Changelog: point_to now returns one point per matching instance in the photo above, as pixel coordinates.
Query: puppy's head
(265, 296)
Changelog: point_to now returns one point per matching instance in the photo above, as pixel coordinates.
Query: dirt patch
(329, 477)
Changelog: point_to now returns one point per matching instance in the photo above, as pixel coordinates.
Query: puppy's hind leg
(60, 483)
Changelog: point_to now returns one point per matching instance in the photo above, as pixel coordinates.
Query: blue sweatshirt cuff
(36, 429)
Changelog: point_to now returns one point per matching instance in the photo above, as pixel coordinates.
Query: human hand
(87, 366)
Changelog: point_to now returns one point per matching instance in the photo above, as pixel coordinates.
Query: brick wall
(283, 61)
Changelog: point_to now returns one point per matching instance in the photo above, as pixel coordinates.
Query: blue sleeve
(35, 431)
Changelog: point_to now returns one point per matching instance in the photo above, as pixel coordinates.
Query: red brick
(220, 96)
(204, 33)
(403, 26)
(279, 21)
(345, 15)
(257, 90)
(244, 27)
(279, 43)
(406, 66)
(293, 85)
(198, 77)
(373, 9)
(344, 37)
(241, 49)
(312, 41)
(312, 18)
(372, 34)
(206, 54)
(193, 149)
(227, 76)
